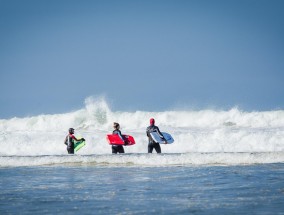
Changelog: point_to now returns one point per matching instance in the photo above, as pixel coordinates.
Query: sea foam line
(143, 159)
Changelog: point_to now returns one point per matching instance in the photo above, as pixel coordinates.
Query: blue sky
(142, 55)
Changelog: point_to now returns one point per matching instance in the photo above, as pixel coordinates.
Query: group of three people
(70, 138)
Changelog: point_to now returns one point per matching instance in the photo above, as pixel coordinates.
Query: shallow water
(98, 189)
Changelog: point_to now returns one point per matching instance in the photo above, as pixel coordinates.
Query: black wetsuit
(117, 148)
(69, 141)
(152, 144)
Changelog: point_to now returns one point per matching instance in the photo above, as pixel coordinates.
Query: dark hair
(115, 125)
(71, 130)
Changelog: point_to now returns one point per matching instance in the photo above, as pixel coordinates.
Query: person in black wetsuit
(117, 148)
(152, 144)
(69, 141)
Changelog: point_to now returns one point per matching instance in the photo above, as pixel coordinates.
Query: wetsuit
(69, 141)
(152, 144)
(117, 148)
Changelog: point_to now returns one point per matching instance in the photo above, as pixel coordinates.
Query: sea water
(222, 162)
(91, 189)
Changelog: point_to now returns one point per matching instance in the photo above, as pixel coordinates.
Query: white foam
(145, 159)
(194, 131)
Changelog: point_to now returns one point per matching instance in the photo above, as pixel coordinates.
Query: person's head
(71, 130)
(116, 125)
(152, 121)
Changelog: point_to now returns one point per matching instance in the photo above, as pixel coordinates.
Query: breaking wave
(234, 132)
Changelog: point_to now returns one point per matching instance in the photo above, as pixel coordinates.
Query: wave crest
(194, 131)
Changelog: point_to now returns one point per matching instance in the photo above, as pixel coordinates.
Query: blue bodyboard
(156, 137)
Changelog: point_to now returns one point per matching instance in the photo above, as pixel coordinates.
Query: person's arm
(65, 141)
(120, 136)
(147, 132)
(73, 137)
(161, 135)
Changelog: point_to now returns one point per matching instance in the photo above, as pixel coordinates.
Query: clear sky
(150, 55)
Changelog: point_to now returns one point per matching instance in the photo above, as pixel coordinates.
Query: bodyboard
(114, 139)
(156, 137)
(79, 144)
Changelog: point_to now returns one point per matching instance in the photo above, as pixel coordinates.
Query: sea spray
(201, 131)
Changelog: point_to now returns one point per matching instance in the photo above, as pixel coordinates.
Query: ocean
(222, 162)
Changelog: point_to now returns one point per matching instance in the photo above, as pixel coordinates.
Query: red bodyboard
(114, 139)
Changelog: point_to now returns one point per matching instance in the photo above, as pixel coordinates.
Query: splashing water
(204, 131)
